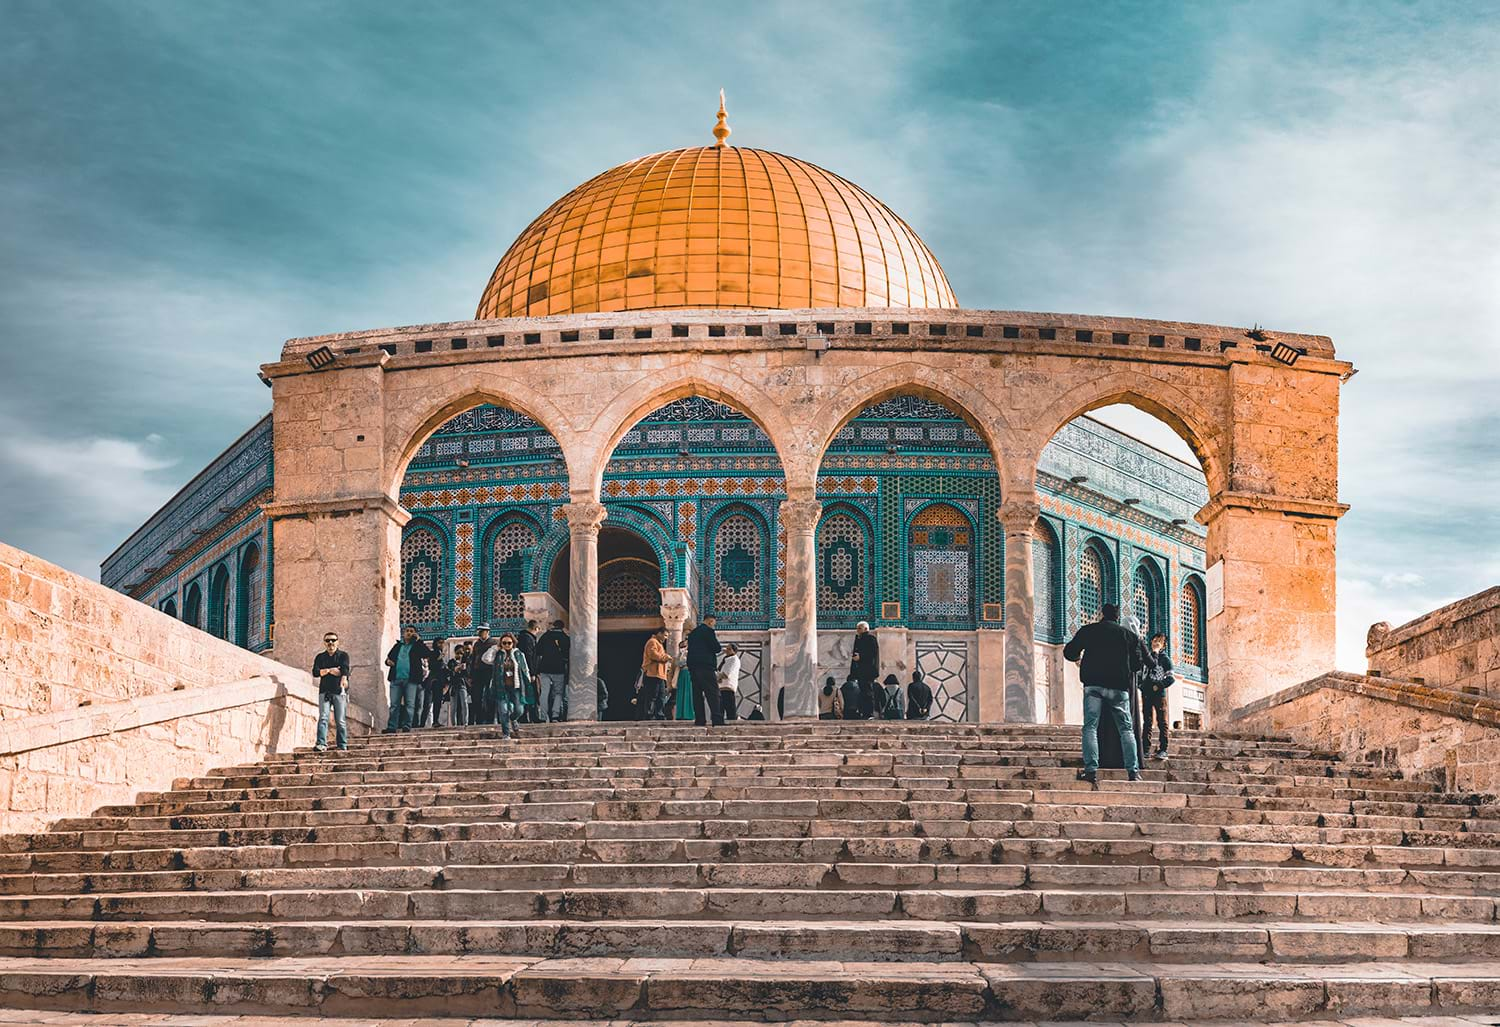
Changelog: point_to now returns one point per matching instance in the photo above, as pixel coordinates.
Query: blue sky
(185, 185)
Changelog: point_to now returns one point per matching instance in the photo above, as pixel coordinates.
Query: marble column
(584, 519)
(1018, 514)
(799, 653)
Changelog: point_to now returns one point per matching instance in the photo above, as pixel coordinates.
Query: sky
(184, 185)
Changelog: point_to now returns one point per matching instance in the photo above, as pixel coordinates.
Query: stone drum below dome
(715, 227)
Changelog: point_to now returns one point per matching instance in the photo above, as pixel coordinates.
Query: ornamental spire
(721, 129)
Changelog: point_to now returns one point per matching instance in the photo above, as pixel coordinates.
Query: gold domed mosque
(724, 380)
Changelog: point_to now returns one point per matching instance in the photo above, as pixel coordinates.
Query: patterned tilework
(463, 576)
(422, 578)
(737, 567)
(945, 668)
(1046, 575)
(843, 555)
(629, 587)
(941, 545)
(508, 564)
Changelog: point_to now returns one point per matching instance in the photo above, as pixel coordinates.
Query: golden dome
(714, 226)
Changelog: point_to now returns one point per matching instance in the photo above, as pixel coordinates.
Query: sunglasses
(506, 645)
(330, 641)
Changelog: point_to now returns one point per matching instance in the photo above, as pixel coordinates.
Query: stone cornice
(336, 507)
(1313, 508)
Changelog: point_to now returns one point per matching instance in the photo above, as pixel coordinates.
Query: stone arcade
(723, 379)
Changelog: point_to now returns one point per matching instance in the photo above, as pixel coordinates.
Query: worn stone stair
(842, 872)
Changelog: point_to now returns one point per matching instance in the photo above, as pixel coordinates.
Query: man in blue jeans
(1108, 655)
(331, 672)
(407, 661)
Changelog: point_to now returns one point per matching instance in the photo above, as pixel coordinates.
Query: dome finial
(721, 129)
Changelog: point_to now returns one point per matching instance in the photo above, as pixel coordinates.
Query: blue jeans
(404, 696)
(339, 705)
(460, 705)
(1117, 700)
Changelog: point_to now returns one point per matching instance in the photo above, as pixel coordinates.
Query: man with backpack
(1108, 655)
(892, 700)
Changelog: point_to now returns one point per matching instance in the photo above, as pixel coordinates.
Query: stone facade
(102, 697)
(1457, 646)
(1427, 733)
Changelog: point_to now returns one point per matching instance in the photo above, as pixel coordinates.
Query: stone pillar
(584, 518)
(1019, 514)
(338, 568)
(1276, 625)
(799, 654)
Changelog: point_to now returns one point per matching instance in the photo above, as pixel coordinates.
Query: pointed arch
(1197, 425)
(1096, 578)
(249, 597)
(1047, 581)
(941, 564)
(737, 577)
(192, 605)
(845, 547)
(509, 542)
(1148, 597)
(425, 573)
(219, 599)
(1192, 641)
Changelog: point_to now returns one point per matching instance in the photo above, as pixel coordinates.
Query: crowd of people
(522, 678)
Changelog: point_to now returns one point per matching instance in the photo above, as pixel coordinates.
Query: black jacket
(1111, 652)
(1158, 677)
(551, 652)
(526, 646)
(703, 647)
(867, 648)
(918, 700)
(421, 659)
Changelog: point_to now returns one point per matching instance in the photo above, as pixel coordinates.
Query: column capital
(1019, 513)
(801, 515)
(585, 517)
(676, 608)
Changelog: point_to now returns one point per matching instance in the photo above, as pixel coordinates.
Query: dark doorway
(619, 663)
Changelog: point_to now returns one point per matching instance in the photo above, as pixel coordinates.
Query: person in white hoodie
(729, 681)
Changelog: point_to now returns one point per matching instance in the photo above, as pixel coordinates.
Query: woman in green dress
(684, 709)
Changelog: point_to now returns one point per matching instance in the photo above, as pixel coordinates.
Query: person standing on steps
(1154, 684)
(656, 668)
(683, 707)
(482, 656)
(552, 672)
(864, 667)
(702, 662)
(512, 684)
(408, 661)
(892, 700)
(729, 682)
(331, 672)
(526, 645)
(918, 698)
(435, 688)
(1108, 655)
(852, 701)
(458, 692)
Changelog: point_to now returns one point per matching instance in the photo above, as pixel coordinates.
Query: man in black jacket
(1154, 684)
(1111, 654)
(864, 667)
(552, 671)
(408, 661)
(702, 665)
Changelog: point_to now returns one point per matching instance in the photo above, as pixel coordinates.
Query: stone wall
(1457, 646)
(1426, 733)
(102, 697)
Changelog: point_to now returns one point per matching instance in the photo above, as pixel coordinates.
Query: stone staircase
(859, 871)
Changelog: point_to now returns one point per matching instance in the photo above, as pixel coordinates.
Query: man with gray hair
(864, 667)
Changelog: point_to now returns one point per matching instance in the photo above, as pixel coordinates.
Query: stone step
(627, 901)
(36, 1018)
(656, 988)
(1174, 941)
(684, 871)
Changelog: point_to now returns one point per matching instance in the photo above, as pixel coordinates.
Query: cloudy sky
(183, 185)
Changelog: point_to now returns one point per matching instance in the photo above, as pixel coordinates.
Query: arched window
(508, 557)
(1046, 576)
(192, 606)
(941, 545)
(1148, 599)
(421, 575)
(737, 564)
(843, 567)
(218, 602)
(1191, 649)
(1094, 582)
(249, 597)
(629, 587)
(169, 608)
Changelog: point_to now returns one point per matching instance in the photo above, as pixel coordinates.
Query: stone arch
(650, 527)
(1200, 428)
(408, 426)
(912, 379)
(630, 406)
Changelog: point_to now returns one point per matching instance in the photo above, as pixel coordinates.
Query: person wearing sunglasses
(512, 684)
(331, 672)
